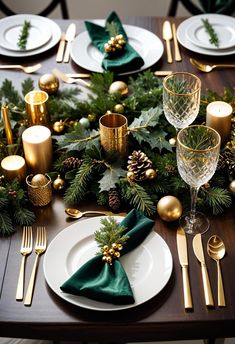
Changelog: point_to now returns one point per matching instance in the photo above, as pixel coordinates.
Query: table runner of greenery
(98, 173)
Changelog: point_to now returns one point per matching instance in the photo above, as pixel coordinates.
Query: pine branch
(211, 32)
(24, 216)
(6, 225)
(216, 198)
(24, 33)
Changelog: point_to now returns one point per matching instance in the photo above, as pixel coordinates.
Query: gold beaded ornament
(111, 252)
(114, 44)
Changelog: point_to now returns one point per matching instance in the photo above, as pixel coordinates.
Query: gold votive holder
(113, 133)
(41, 194)
(13, 166)
(36, 108)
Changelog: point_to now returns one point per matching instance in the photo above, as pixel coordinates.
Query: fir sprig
(111, 232)
(23, 36)
(211, 32)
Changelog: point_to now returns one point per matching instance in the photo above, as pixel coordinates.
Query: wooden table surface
(161, 318)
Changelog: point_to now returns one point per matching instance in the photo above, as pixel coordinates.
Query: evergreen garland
(99, 172)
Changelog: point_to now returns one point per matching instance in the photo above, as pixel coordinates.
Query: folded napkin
(125, 60)
(101, 281)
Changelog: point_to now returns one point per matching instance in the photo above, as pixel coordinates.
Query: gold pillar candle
(36, 107)
(37, 145)
(7, 124)
(13, 166)
(113, 133)
(218, 117)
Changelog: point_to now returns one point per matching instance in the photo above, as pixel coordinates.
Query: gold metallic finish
(203, 67)
(7, 124)
(14, 166)
(39, 195)
(176, 45)
(28, 69)
(77, 214)
(167, 36)
(36, 108)
(113, 133)
(60, 52)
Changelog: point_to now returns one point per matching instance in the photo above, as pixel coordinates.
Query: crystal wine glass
(181, 98)
(197, 152)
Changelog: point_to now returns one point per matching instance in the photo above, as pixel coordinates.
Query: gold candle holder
(39, 194)
(113, 133)
(13, 166)
(36, 108)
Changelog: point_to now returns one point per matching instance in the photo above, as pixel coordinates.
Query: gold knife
(183, 258)
(176, 45)
(198, 250)
(60, 52)
(167, 36)
(69, 37)
(78, 75)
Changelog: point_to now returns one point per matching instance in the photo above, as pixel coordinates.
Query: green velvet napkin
(100, 281)
(125, 60)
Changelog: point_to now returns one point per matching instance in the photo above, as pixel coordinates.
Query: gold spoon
(28, 69)
(77, 214)
(216, 250)
(208, 68)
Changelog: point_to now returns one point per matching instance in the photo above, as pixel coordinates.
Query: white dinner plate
(224, 27)
(148, 267)
(11, 28)
(183, 37)
(146, 43)
(52, 27)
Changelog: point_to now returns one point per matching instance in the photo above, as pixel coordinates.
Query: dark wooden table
(161, 318)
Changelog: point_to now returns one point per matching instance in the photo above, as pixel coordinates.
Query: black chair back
(208, 6)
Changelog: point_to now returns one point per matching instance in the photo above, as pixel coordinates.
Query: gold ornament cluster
(115, 44)
(111, 252)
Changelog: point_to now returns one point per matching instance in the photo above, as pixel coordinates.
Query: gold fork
(25, 250)
(40, 247)
(28, 69)
(68, 79)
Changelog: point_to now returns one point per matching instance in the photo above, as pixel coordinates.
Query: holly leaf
(148, 118)
(157, 139)
(111, 178)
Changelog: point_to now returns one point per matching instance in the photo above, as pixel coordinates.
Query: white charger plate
(184, 40)
(223, 25)
(148, 267)
(10, 31)
(146, 43)
(51, 26)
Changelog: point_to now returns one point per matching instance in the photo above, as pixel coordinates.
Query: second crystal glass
(181, 98)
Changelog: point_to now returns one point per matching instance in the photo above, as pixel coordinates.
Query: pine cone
(71, 163)
(114, 199)
(138, 163)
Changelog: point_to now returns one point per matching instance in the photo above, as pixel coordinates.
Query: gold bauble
(232, 187)
(130, 176)
(150, 173)
(49, 83)
(119, 108)
(58, 183)
(119, 87)
(39, 180)
(172, 141)
(58, 126)
(169, 208)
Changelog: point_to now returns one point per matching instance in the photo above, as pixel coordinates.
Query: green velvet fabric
(125, 60)
(100, 281)
(216, 6)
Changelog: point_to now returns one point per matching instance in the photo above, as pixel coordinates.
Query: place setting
(208, 34)
(25, 35)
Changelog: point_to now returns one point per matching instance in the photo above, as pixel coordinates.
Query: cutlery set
(169, 33)
(216, 250)
(25, 250)
(63, 53)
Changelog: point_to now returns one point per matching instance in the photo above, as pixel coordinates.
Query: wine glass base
(199, 225)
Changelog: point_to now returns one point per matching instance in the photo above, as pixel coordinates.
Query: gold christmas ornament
(39, 189)
(119, 108)
(150, 173)
(172, 141)
(58, 126)
(114, 44)
(58, 183)
(169, 208)
(232, 187)
(110, 253)
(92, 117)
(49, 83)
(130, 176)
(119, 87)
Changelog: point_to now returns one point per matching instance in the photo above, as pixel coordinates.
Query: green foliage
(213, 37)
(24, 33)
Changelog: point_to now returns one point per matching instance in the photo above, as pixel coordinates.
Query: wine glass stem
(193, 193)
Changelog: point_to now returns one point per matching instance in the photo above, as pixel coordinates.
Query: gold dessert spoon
(208, 68)
(28, 70)
(77, 214)
(216, 250)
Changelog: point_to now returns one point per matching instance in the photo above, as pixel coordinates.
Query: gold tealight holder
(39, 189)
(36, 108)
(113, 133)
